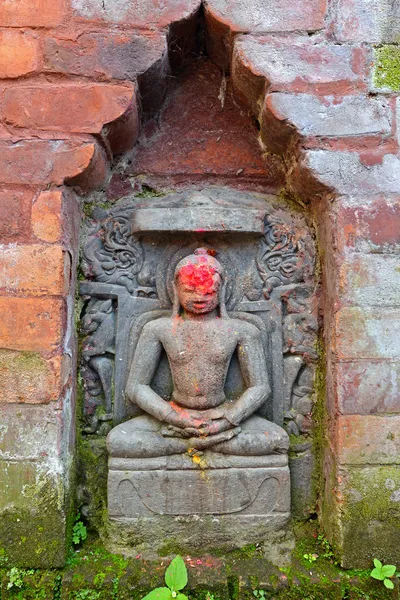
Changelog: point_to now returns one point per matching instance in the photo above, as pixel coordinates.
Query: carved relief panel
(129, 256)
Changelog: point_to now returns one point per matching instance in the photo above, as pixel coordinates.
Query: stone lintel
(199, 219)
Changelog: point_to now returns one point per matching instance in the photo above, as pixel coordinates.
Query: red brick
(31, 433)
(15, 214)
(199, 136)
(370, 280)
(297, 64)
(351, 173)
(29, 378)
(254, 16)
(43, 161)
(368, 387)
(116, 55)
(143, 14)
(328, 116)
(33, 270)
(19, 52)
(69, 108)
(46, 216)
(366, 21)
(367, 439)
(367, 333)
(31, 13)
(370, 226)
(31, 324)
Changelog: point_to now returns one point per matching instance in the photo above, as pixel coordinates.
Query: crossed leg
(141, 437)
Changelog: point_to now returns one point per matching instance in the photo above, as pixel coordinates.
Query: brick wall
(73, 76)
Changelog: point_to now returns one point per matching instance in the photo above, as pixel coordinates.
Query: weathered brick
(19, 53)
(298, 65)
(367, 439)
(146, 13)
(31, 499)
(369, 510)
(46, 216)
(33, 324)
(370, 280)
(15, 213)
(71, 108)
(49, 161)
(257, 17)
(398, 119)
(348, 174)
(29, 432)
(367, 333)
(329, 116)
(368, 387)
(195, 136)
(117, 55)
(369, 226)
(34, 269)
(26, 377)
(370, 21)
(31, 13)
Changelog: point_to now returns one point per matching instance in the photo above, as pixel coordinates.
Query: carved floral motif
(283, 256)
(112, 254)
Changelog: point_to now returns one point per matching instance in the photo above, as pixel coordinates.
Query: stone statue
(199, 339)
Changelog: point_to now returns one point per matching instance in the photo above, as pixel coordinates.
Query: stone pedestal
(199, 503)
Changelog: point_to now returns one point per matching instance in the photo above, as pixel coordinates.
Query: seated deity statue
(199, 339)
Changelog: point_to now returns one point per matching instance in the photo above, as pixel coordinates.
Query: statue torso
(199, 353)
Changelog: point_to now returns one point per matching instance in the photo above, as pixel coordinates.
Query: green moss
(386, 73)
(32, 524)
(94, 573)
(370, 512)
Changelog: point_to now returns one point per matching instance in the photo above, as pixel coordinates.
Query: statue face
(198, 286)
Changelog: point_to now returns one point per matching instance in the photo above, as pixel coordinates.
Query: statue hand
(216, 426)
(203, 443)
(177, 432)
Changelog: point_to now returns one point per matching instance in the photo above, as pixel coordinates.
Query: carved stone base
(225, 502)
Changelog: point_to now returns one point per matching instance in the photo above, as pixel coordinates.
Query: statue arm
(252, 363)
(144, 365)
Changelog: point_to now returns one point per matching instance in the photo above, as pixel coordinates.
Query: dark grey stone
(210, 296)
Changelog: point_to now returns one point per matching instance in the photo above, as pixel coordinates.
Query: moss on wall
(386, 71)
(92, 573)
(371, 513)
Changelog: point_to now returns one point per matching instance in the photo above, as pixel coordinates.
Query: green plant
(383, 573)
(175, 578)
(79, 532)
(16, 577)
(3, 557)
(259, 594)
(86, 595)
(310, 557)
(328, 552)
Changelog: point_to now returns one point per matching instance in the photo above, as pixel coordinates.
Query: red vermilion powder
(199, 277)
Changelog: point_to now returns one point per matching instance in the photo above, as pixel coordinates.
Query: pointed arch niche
(200, 136)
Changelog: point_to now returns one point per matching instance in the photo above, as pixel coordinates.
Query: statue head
(199, 284)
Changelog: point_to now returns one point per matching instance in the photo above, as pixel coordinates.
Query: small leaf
(182, 597)
(389, 584)
(377, 574)
(377, 563)
(388, 570)
(161, 593)
(176, 574)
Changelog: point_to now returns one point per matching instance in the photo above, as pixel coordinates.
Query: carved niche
(129, 256)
